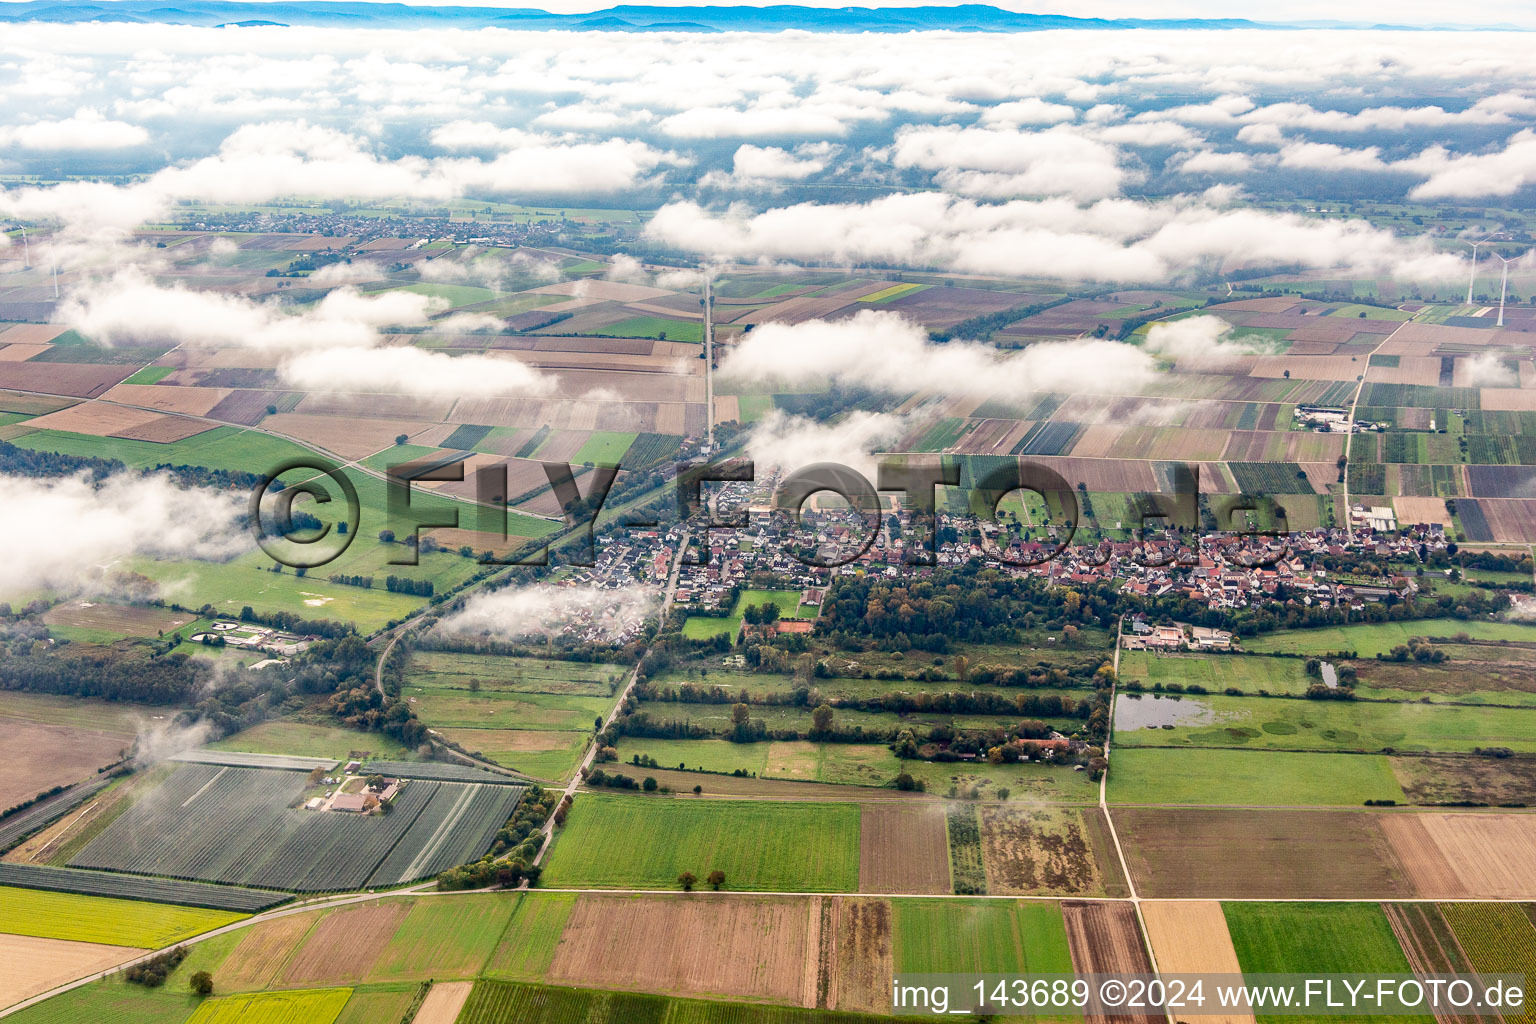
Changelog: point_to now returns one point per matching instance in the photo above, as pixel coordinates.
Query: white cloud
(1030, 110)
(75, 530)
(1197, 343)
(1497, 173)
(884, 351)
(542, 610)
(1488, 370)
(86, 130)
(789, 443)
(412, 371)
(1003, 163)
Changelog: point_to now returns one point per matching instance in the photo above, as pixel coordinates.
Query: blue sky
(1399, 12)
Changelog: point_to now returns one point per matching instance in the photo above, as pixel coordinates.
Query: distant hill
(963, 18)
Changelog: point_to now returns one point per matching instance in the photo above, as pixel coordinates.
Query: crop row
(456, 826)
(497, 1002)
(150, 890)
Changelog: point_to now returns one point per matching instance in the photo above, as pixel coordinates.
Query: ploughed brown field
(1218, 853)
(1493, 856)
(756, 948)
(42, 756)
(33, 966)
(1191, 937)
(903, 848)
(344, 945)
(443, 1003)
(262, 951)
(857, 963)
(1105, 939)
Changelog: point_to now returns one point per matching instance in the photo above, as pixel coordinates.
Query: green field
(314, 1006)
(604, 446)
(445, 938)
(230, 448)
(979, 937)
(716, 718)
(787, 601)
(1295, 724)
(861, 764)
(657, 327)
(640, 842)
(1249, 777)
(1321, 938)
(1216, 672)
(492, 709)
(1371, 639)
(151, 375)
(548, 754)
(305, 740)
(113, 1000)
(112, 922)
(454, 294)
(445, 670)
(528, 945)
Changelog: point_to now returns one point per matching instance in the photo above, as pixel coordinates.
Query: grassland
(449, 938)
(979, 936)
(1294, 724)
(1371, 639)
(862, 764)
(639, 842)
(304, 739)
(1249, 777)
(112, 1000)
(699, 627)
(1216, 672)
(442, 670)
(658, 327)
(58, 915)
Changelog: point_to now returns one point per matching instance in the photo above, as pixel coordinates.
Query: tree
(739, 714)
(201, 983)
(687, 880)
(402, 438)
(650, 784)
(597, 724)
(821, 719)
(698, 790)
(716, 879)
(375, 782)
(386, 536)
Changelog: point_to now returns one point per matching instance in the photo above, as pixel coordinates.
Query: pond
(1153, 711)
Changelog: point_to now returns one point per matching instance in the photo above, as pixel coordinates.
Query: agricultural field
(1252, 777)
(863, 764)
(639, 842)
(1369, 640)
(111, 922)
(1462, 780)
(980, 937)
(1189, 853)
(444, 938)
(1191, 937)
(770, 946)
(1341, 938)
(238, 825)
(1293, 724)
(304, 739)
(528, 714)
(903, 848)
(33, 965)
(1036, 851)
(699, 627)
(1498, 938)
(321, 1006)
(529, 941)
(1216, 672)
(57, 741)
(132, 887)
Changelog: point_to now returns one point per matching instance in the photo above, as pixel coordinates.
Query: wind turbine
(1471, 280)
(1504, 284)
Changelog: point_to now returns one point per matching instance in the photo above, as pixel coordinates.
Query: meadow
(979, 937)
(639, 842)
(112, 922)
(1371, 639)
(528, 944)
(445, 670)
(303, 739)
(1249, 777)
(1297, 724)
(861, 764)
(1216, 672)
(699, 627)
